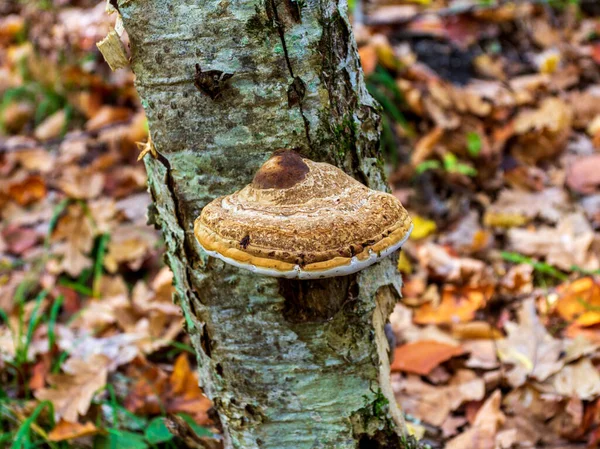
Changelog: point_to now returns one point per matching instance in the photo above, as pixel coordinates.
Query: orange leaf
(186, 395)
(423, 356)
(181, 373)
(28, 191)
(457, 305)
(65, 430)
(146, 395)
(368, 58)
(154, 391)
(596, 53)
(579, 302)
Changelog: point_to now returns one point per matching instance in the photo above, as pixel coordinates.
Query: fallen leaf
(27, 191)
(10, 26)
(482, 354)
(404, 265)
(160, 298)
(543, 132)
(467, 237)
(129, 244)
(515, 207)
(579, 301)
(460, 270)
(368, 58)
(451, 425)
(475, 330)
(107, 115)
(518, 280)
(72, 393)
(115, 350)
(458, 304)
(433, 404)
(37, 159)
(421, 357)
(580, 379)
(16, 115)
(564, 246)
(52, 126)
(18, 240)
(529, 348)
(65, 430)
(583, 175)
(81, 183)
(154, 391)
(422, 227)
(482, 434)
(424, 148)
(579, 347)
(74, 237)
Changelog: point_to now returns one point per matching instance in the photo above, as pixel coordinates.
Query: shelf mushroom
(302, 219)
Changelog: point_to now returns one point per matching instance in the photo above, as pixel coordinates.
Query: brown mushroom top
(297, 212)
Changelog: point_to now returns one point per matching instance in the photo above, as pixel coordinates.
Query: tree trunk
(288, 364)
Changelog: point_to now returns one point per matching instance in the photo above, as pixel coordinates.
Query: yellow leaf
(504, 220)
(415, 430)
(549, 63)
(404, 264)
(422, 227)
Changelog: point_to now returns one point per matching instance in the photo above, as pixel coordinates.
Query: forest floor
(491, 119)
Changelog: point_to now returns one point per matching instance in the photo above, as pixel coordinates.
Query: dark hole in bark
(213, 415)
(250, 410)
(219, 369)
(315, 300)
(366, 442)
(380, 440)
(205, 341)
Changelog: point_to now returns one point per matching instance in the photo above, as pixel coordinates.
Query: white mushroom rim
(298, 273)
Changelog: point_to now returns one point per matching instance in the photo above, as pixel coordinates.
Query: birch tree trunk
(287, 364)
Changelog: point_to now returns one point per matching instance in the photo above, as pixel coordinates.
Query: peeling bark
(288, 364)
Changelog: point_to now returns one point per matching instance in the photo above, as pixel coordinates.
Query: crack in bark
(180, 220)
(281, 32)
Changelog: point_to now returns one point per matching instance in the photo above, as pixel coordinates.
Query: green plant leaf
(22, 437)
(450, 161)
(157, 431)
(121, 439)
(427, 165)
(542, 267)
(474, 144)
(465, 169)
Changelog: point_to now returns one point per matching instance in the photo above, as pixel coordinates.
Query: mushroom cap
(302, 219)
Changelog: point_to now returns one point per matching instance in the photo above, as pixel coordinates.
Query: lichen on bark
(288, 364)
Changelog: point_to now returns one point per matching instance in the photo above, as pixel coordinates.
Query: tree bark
(287, 364)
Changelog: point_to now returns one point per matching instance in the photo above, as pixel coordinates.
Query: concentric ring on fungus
(302, 219)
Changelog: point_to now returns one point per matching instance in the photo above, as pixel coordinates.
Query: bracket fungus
(302, 219)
